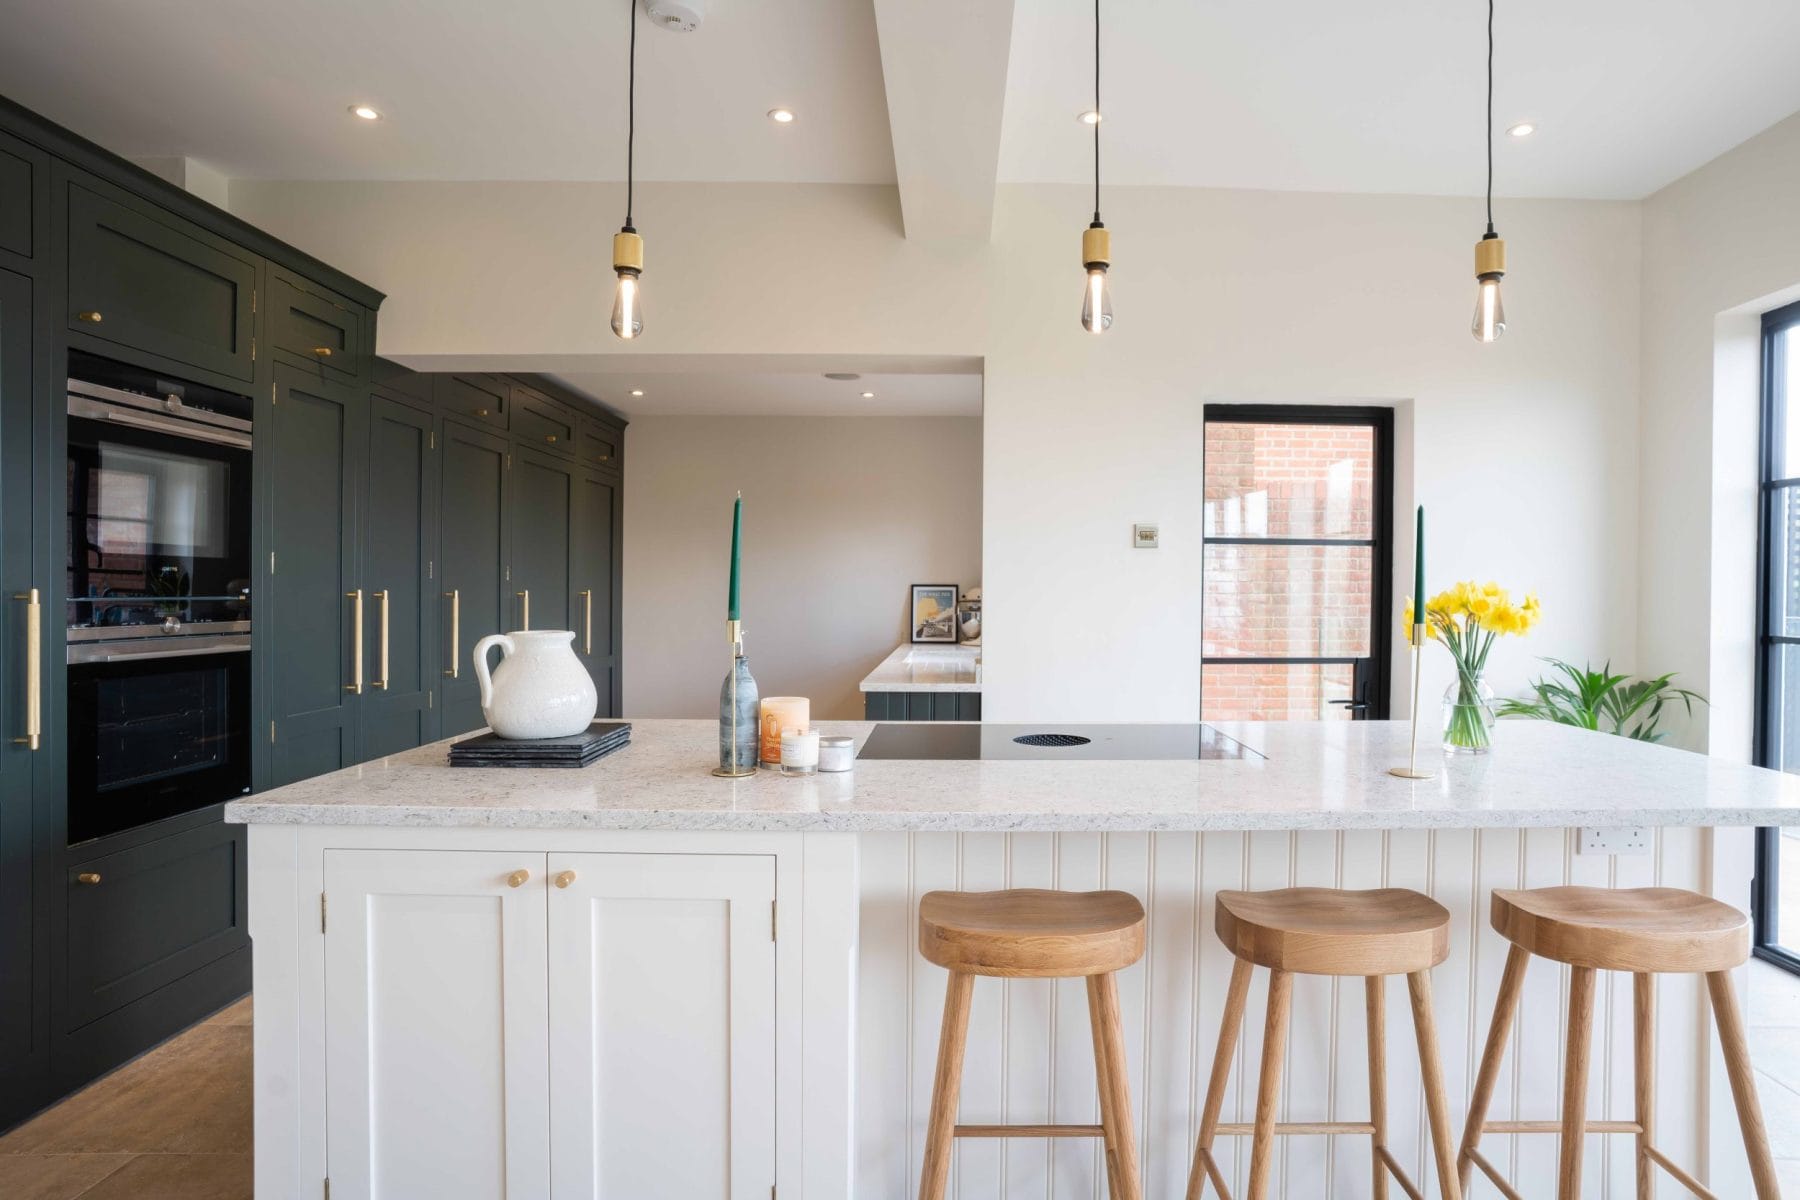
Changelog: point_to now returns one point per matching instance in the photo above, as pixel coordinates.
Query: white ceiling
(1383, 96)
(470, 89)
(740, 392)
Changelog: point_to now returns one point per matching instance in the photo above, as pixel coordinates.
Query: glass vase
(738, 722)
(1468, 716)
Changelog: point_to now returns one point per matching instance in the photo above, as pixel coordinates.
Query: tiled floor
(1774, 1016)
(173, 1125)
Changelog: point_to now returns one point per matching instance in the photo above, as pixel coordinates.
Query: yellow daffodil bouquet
(1468, 619)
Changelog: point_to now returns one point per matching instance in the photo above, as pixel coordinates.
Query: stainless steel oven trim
(181, 427)
(152, 633)
(170, 405)
(148, 648)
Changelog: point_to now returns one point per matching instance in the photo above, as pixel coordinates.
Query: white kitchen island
(636, 980)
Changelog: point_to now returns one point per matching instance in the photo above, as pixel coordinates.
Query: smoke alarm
(683, 16)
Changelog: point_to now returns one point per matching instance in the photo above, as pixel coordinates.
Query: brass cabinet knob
(564, 878)
(90, 878)
(551, 438)
(322, 351)
(481, 412)
(517, 878)
(606, 458)
(90, 316)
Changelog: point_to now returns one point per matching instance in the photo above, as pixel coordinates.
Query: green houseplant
(1602, 700)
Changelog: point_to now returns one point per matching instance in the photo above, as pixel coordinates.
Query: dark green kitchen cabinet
(24, 182)
(474, 594)
(154, 284)
(544, 519)
(311, 440)
(316, 325)
(596, 572)
(398, 550)
(483, 398)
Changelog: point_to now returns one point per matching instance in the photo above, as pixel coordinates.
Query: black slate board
(578, 750)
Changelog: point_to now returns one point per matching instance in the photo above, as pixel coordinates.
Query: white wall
(1525, 453)
(1721, 246)
(841, 516)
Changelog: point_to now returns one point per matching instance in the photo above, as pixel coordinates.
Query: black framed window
(1778, 632)
(1297, 555)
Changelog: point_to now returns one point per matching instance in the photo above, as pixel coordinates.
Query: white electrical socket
(1634, 840)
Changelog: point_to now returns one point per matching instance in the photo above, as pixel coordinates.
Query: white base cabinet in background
(538, 1015)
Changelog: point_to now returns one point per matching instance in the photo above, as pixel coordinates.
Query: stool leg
(1221, 1073)
(1268, 1088)
(946, 1087)
(1506, 1005)
(1643, 1037)
(1375, 993)
(1115, 1088)
(1743, 1083)
(1431, 1069)
(1575, 1081)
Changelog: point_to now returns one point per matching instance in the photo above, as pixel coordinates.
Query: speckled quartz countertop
(1312, 776)
(927, 668)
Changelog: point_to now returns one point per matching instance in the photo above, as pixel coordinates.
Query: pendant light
(628, 247)
(1490, 251)
(1096, 242)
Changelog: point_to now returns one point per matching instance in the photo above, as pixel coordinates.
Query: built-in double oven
(159, 501)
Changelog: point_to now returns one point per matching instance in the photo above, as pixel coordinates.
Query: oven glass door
(153, 737)
(159, 527)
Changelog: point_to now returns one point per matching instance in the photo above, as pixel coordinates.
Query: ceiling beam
(944, 63)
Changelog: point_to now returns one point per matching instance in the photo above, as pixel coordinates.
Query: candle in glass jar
(837, 753)
(799, 753)
(782, 714)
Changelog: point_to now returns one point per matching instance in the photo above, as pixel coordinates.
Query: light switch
(1145, 537)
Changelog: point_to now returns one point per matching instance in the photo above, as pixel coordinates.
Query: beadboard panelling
(1030, 1059)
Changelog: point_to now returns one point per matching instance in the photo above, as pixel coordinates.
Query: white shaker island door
(435, 1025)
(662, 1012)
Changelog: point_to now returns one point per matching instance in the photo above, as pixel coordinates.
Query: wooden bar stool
(1029, 933)
(1646, 931)
(1322, 931)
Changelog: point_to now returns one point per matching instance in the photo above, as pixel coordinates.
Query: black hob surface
(1050, 743)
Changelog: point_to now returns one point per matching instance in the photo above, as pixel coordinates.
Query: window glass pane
(1784, 563)
(1287, 601)
(1289, 481)
(1787, 390)
(1274, 692)
(1782, 694)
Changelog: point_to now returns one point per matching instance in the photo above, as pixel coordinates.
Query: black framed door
(1297, 557)
(1777, 742)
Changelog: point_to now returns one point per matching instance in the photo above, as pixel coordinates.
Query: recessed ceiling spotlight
(843, 376)
(1090, 117)
(637, 391)
(1522, 129)
(782, 116)
(365, 111)
(868, 395)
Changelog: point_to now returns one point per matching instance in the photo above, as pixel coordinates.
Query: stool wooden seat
(1646, 931)
(1032, 933)
(1322, 931)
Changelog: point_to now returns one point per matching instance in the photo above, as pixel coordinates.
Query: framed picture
(934, 612)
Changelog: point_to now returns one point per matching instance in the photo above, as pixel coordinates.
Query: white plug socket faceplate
(1633, 840)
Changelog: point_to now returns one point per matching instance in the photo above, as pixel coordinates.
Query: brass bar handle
(517, 878)
(91, 316)
(88, 878)
(524, 609)
(356, 642)
(455, 598)
(382, 683)
(587, 618)
(564, 878)
(34, 670)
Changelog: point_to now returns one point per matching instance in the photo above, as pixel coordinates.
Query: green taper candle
(1418, 571)
(737, 531)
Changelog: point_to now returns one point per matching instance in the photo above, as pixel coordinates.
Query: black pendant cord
(1097, 117)
(1490, 120)
(631, 117)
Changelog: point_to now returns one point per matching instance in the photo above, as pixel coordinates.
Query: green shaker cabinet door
(472, 593)
(596, 582)
(543, 533)
(140, 282)
(312, 445)
(401, 606)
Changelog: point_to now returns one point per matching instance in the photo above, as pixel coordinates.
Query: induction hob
(1049, 743)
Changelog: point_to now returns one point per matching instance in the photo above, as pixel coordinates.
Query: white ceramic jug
(540, 689)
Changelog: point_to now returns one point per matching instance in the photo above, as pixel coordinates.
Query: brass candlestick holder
(1411, 769)
(738, 723)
